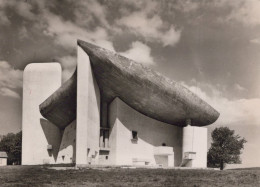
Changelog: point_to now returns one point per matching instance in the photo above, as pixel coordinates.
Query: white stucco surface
(88, 112)
(40, 80)
(67, 150)
(195, 140)
(3, 161)
(123, 150)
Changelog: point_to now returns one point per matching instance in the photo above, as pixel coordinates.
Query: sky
(210, 47)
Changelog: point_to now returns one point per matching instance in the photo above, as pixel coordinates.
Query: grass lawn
(42, 176)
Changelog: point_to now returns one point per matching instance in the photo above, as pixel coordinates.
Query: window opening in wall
(134, 135)
(104, 134)
(63, 157)
(163, 144)
(106, 157)
(88, 150)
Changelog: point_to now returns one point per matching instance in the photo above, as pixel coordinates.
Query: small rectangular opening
(134, 135)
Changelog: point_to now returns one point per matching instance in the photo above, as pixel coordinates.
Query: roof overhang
(140, 87)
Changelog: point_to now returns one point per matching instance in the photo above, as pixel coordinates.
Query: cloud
(240, 88)
(140, 53)
(9, 79)
(9, 93)
(22, 8)
(66, 33)
(89, 12)
(23, 33)
(241, 115)
(187, 5)
(3, 18)
(255, 41)
(246, 12)
(68, 64)
(151, 27)
(231, 111)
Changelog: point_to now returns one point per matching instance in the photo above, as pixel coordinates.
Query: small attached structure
(3, 158)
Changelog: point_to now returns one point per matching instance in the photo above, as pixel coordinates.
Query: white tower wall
(40, 80)
(195, 141)
(88, 112)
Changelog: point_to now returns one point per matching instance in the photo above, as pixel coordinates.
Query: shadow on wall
(67, 151)
(53, 136)
(152, 131)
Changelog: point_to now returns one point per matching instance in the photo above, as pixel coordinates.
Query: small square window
(134, 135)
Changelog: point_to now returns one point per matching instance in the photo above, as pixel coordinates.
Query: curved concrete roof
(60, 107)
(140, 87)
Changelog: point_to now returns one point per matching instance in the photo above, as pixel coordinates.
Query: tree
(12, 145)
(225, 147)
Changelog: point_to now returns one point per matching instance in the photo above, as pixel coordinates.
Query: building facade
(3, 158)
(112, 111)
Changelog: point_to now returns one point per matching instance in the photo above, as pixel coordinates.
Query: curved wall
(195, 140)
(151, 133)
(67, 150)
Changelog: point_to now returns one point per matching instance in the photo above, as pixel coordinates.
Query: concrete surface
(111, 93)
(40, 80)
(146, 90)
(141, 88)
(67, 149)
(151, 133)
(60, 108)
(88, 112)
(195, 140)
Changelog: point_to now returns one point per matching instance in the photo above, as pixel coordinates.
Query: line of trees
(12, 145)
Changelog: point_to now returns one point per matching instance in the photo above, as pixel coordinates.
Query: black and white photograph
(130, 93)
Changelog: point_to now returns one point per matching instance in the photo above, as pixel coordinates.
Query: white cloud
(241, 115)
(89, 11)
(247, 12)
(255, 41)
(140, 53)
(151, 28)
(68, 64)
(187, 5)
(66, 33)
(171, 37)
(9, 93)
(9, 79)
(240, 88)
(231, 111)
